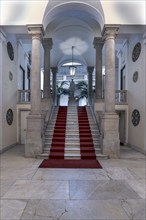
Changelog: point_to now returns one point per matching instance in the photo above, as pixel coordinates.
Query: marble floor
(116, 192)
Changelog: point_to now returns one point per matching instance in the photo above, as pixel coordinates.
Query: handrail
(94, 118)
(49, 117)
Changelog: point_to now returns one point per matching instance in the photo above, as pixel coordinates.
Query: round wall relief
(135, 117)
(136, 51)
(10, 76)
(9, 116)
(10, 50)
(135, 76)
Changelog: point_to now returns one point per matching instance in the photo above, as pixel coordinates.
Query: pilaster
(54, 72)
(98, 44)
(47, 99)
(90, 81)
(47, 44)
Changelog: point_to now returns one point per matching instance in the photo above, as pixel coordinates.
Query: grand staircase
(72, 134)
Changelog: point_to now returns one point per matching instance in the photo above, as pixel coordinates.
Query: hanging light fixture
(72, 68)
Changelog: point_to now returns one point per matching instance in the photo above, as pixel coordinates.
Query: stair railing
(48, 117)
(94, 118)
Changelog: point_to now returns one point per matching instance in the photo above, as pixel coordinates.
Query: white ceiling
(74, 24)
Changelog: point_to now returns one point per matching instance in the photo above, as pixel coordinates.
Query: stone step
(73, 133)
(72, 156)
(67, 140)
(72, 142)
(101, 156)
(71, 145)
(73, 150)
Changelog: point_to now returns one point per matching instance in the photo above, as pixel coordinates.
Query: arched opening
(73, 24)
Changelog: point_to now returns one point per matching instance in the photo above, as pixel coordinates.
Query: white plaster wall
(144, 58)
(23, 61)
(1, 42)
(136, 95)
(115, 12)
(123, 12)
(9, 93)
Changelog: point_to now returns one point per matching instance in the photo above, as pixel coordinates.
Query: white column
(90, 80)
(109, 34)
(110, 120)
(36, 33)
(98, 44)
(54, 72)
(47, 44)
(34, 135)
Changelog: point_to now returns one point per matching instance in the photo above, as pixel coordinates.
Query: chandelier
(72, 68)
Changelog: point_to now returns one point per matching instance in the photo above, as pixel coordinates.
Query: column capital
(47, 43)
(54, 69)
(110, 31)
(90, 69)
(36, 30)
(98, 42)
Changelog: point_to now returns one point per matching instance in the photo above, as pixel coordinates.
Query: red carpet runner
(58, 139)
(56, 157)
(86, 141)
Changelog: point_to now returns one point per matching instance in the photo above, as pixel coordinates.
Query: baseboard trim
(7, 148)
(137, 148)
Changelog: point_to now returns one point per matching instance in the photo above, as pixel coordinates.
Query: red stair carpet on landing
(56, 157)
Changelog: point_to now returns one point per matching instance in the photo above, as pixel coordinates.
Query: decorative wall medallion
(9, 116)
(10, 76)
(10, 50)
(135, 117)
(136, 52)
(135, 76)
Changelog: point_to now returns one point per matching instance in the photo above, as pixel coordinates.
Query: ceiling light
(72, 68)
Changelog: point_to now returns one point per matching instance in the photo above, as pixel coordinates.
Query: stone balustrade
(120, 96)
(23, 96)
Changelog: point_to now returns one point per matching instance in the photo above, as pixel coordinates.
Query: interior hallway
(117, 191)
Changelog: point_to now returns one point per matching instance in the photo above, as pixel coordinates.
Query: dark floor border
(7, 148)
(143, 151)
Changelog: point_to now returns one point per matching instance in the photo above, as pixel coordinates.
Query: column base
(111, 142)
(34, 136)
(46, 104)
(99, 105)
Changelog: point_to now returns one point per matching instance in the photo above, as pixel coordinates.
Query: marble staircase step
(72, 156)
(72, 143)
(73, 150)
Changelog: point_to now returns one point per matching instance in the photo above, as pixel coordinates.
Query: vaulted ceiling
(73, 23)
